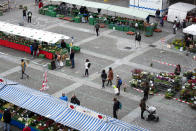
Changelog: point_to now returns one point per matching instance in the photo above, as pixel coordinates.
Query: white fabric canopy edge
(30, 33)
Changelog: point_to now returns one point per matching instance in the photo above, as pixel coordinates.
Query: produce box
(41, 56)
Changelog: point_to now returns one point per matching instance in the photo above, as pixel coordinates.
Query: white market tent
(180, 10)
(59, 110)
(190, 29)
(30, 33)
(118, 9)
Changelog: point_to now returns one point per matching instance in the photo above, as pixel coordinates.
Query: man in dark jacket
(72, 58)
(35, 47)
(75, 100)
(7, 120)
(29, 14)
(143, 107)
(97, 26)
(146, 90)
(116, 107)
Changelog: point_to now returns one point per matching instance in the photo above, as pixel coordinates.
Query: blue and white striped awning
(58, 110)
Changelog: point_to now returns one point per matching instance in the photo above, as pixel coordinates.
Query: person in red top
(40, 4)
(27, 128)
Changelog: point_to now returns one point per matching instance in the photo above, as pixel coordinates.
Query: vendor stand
(45, 111)
(20, 38)
(116, 22)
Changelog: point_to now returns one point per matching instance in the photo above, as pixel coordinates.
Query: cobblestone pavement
(107, 50)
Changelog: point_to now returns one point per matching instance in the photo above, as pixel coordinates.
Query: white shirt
(86, 65)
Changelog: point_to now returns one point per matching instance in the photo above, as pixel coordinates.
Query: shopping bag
(2, 118)
(61, 63)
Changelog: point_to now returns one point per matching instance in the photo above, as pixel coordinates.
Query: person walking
(146, 90)
(23, 67)
(174, 28)
(63, 97)
(162, 22)
(157, 14)
(72, 58)
(116, 107)
(75, 100)
(97, 26)
(143, 107)
(118, 84)
(137, 39)
(87, 66)
(24, 14)
(110, 76)
(177, 70)
(7, 119)
(29, 14)
(103, 77)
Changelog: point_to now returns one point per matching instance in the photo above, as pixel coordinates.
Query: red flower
(71, 106)
(100, 117)
(1, 80)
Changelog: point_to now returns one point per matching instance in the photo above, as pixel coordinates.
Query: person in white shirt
(87, 66)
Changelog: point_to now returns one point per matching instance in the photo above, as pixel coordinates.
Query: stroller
(150, 114)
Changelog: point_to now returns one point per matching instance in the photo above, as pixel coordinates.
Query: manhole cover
(128, 48)
(152, 45)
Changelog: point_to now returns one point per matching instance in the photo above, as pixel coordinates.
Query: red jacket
(40, 4)
(27, 129)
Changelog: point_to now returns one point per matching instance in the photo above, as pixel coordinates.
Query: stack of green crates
(77, 19)
(149, 30)
(111, 26)
(126, 28)
(132, 29)
(91, 21)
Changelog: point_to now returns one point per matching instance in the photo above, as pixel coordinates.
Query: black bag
(89, 65)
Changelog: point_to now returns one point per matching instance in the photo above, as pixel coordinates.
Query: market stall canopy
(180, 10)
(118, 9)
(190, 29)
(30, 33)
(60, 111)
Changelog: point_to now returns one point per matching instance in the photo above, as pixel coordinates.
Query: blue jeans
(6, 126)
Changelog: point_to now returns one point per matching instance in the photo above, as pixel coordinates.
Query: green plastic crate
(76, 48)
(91, 21)
(1, 13)
(111, 26)
(126, 28)
(132, 29)
(41, 56)
(49, 66)
(77, 19)
(68, 62)
(53, 14)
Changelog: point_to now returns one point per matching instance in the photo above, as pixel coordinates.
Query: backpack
(89, 65)
(120, 105)
(119, 82)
